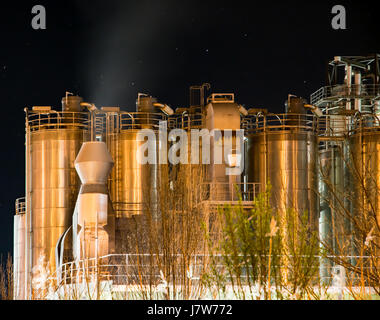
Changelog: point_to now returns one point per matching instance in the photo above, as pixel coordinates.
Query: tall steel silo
(19, 250)
(133, 185)
(335, 194)
(364, 152)
(282, 150)
(131, 182)
(348, 151)
(53, 139)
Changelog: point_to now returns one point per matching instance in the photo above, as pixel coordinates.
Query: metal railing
(272, 123)
(128, 268)
(365, 123)
(225, 192)
(140, 120)
(132, 269)
(188, 121)
(58, 120)
(20, 206)
(333, 125)
(364, 91)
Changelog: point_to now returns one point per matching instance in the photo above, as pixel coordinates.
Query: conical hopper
(93, 163)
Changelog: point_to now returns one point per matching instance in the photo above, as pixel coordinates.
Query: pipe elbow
(89, 106)
(164, 108)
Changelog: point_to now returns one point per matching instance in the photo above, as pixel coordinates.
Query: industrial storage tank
(132, 183)
(19, 250)
(348, 153)
(335, 194)
(53, 139)
(282, 150)
(364, 152)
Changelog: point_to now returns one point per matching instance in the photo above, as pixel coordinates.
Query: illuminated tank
(282, 151)
(348, 144)
(133, 185)
(53, 139)
(306, 154)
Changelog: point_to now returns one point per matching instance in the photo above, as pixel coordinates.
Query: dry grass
(6, 278)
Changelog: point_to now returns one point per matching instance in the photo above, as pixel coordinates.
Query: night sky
(108, 51)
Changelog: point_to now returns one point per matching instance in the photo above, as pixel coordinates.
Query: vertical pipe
(266, 153)
(96, 257)
(328, 79)
(28, 213)
(348, 82)
(27, 205)
(92, 126)
(376, 68)
(358, 83)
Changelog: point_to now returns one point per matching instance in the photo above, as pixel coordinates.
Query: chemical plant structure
(84, 185)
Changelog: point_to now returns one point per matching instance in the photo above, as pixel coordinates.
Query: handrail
(272, 123)
(189, 121)
(223, 191)
(343, 90)
(129, 268)
(140, 120)
(53, 120)
(20, 206)
(365, 123)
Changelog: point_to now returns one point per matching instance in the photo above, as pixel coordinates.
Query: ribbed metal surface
(54, 185)
(19, 256)
(288, 161)
(132, 184)
(332, 180)
(365, 153)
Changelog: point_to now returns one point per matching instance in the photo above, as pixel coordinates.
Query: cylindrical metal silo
(332, 182)
(364, 152)
(133, 185)
(52, 143)
(283, 152)
(19, 250)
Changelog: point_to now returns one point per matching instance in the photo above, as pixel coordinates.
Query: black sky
(108, 51)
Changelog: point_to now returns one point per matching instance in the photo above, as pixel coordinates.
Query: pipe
(89, 106)
(276, 115)
(28, 225)
(243, 111)
(314, 109)
(164, 108)
(93, 109)
(358, 84)
(348, 82)
(183, 113)
(67, 95)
